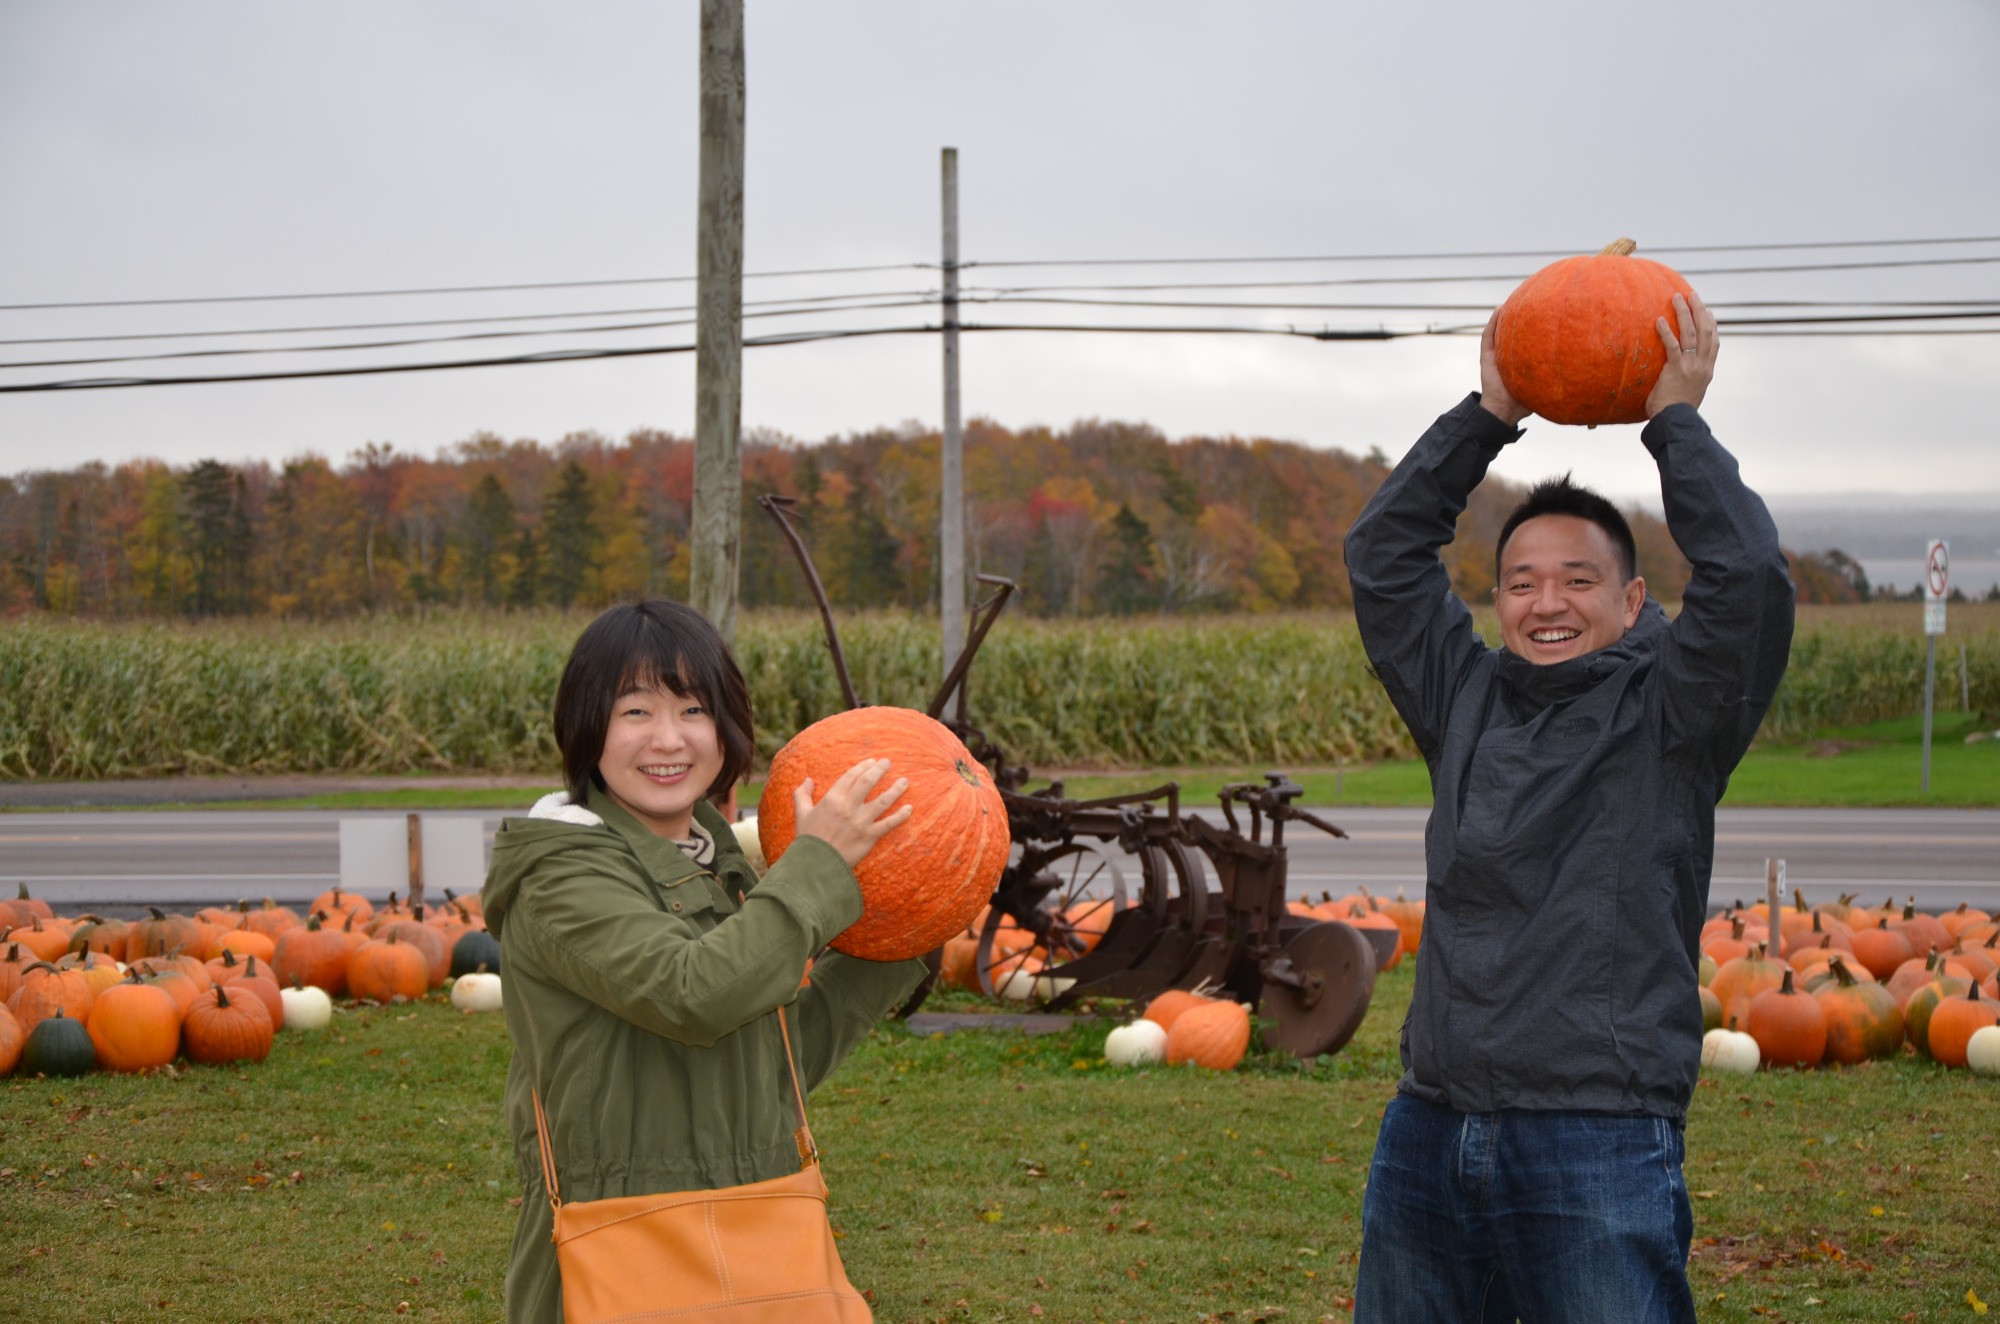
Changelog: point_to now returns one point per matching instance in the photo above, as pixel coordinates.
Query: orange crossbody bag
(756, 1254)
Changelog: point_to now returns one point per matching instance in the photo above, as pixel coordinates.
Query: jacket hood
(1543, 684)
(555, 825)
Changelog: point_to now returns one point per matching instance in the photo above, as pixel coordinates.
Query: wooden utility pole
(717, 531)
(951, 487)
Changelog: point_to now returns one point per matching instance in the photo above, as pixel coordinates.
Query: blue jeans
(1548, 1217)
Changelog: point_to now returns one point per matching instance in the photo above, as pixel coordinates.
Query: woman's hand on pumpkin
(845, 818)
(1493, 396)
(1691, 352)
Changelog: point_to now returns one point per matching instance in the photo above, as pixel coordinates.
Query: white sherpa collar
(556, 805)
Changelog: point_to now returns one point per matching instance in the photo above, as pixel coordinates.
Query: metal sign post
(1937, 582)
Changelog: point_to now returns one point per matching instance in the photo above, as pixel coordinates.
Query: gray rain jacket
(1573, 821)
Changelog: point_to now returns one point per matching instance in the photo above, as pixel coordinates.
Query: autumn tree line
(1100, 518)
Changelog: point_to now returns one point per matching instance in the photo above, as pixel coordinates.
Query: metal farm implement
(1065, 923)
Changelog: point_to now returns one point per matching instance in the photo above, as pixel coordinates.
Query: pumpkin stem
(1839, 972)
(1787, 988)
(158, 914)
(1620, 248)
(1799, 901)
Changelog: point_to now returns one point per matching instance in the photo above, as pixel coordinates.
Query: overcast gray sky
(233, 147)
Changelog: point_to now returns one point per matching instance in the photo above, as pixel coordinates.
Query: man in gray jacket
(1530, 1163)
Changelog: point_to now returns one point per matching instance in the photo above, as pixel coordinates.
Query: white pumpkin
(746, 837)
(1139, 1044)
(476, 992)
(1730, 1051)
(1982, 1050)
(1052, 986)
(306, 1008)
(1018, 986)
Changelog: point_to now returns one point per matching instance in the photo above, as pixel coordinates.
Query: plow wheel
(1054, 904)
(1317, 989)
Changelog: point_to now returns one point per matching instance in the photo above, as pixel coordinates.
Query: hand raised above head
(1691, 352)
(1493, 394)
(845, 818)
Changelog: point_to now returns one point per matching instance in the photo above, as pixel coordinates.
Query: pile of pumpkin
(87, 992)
(1183, 1026)
(1022, 969)
(1852, 983)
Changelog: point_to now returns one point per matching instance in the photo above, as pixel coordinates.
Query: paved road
(120, 862)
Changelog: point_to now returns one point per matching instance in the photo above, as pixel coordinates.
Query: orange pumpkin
(46, 990)
(224, 1028)
(271, 919)
(1214, 1035)
(96, 934)
(1168, 1007)
(47, 941)
(1738, 981)
(959, 965)
(1881, 948)
(1954, 1021)
(311, 954)
(248, 942)
(23, 910)
(1789, 1026)
(1577, 343)
(12, 1039)
(134, 1025)
(387, 970)
(1917, 1011)
(922, 882)
(336, 905)
(1863, 1020)
(162, 935)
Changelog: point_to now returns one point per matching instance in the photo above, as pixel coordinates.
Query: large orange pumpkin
(1863, 1020)
(1213, 1035)
(388, 969)
(1789, 1026)
(928, 877)
(1954, 1021)
(1576, 341)
(134, 1025)
(220, 1028)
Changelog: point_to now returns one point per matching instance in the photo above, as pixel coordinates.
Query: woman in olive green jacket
(644, 957)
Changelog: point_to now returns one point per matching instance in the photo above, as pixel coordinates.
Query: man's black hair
(1559, 496)
(656, 644)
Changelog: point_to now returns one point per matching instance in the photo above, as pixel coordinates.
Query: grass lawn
(976, 1176)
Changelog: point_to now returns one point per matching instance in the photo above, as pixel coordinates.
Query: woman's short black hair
(656, 644)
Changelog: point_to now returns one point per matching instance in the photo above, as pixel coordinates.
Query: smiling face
(661, 754)
(1562, 593)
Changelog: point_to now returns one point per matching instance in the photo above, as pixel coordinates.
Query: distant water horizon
(1972, 574)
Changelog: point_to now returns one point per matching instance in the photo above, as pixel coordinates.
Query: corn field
(472, 693)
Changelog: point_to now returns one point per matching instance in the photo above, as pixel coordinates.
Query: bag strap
(808, 1151)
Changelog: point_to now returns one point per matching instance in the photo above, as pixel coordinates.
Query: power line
(1511, 278)
(836, 302)
(446, 289)
(1494, 254)
(441, 340)
(807, 337)
(1453, 257)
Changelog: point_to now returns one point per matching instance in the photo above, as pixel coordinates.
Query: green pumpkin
(475, 949)
(1711, 1011)
(59, 1046)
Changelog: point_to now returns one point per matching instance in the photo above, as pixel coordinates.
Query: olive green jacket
(639, 993)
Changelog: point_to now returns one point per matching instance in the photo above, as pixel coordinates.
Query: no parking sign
(1937, 582)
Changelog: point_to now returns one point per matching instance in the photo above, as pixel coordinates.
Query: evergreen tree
(568, 537)
(484, 538)
(1125, 584)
